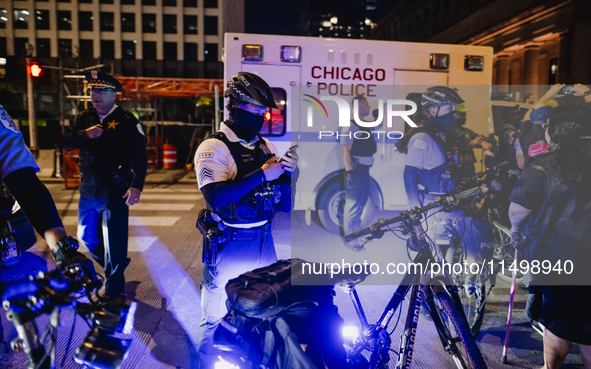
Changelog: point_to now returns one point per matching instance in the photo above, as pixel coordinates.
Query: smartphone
(290, 150)
(566, 90)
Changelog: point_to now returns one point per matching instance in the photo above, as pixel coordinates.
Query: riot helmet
(439, 96)
(250, 88)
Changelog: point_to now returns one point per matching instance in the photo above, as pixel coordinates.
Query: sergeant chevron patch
(205, 173)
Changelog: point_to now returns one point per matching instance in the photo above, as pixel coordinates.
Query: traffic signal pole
(32, 118)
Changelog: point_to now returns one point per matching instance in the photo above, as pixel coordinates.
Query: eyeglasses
(253, 108)
(100, 91)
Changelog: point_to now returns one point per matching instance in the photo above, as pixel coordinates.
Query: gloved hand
(519, 242)
(65, 254)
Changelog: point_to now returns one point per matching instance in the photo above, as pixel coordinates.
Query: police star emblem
(112, 124)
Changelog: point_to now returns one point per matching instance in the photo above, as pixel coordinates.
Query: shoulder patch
(205, 173)
(7, 120)
(420, 144)
(140, 129)
(205, 155)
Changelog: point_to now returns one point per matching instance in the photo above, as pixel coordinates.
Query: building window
(3, 46)
(105, 1)
(169, 49)
(63, 1)
(190, 51)
(20, 46)
(21, 19)
(85, 1)
(149, 23)
(148, 2)
(210, 3)
(190, 24)
(127, 22)
(168, 2)
(41, 19)
(127, 2)
(64, 20)
(43, 49)
(107, 49)
(149, 50)
(128, 50)
(210, 25)
(86, 48)
(107, 22)
(169, 23)
(64, 47)
(190, 3)
(3, 17)
(85, 20)
(210, 52)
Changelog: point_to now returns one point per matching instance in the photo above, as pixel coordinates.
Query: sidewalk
(154, 177)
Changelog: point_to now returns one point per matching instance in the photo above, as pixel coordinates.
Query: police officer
(430, 160)
(464, 140)
(358, 149)
(234, 168)
(17, 170)
(113, 164)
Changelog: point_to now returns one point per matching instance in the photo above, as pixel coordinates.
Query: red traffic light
(34, 69)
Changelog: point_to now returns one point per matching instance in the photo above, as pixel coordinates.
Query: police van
(313, 78)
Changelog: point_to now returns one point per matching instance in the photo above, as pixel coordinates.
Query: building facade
(536, 42)
(150, 38)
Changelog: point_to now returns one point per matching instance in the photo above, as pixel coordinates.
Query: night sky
(289, 17)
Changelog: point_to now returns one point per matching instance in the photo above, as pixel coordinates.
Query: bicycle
(52, 292)
(474, 291)
(439, 292)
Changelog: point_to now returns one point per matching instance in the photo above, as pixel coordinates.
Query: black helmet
(439, 96)
(250, 88)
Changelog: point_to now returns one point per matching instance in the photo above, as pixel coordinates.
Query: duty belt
(232, 233)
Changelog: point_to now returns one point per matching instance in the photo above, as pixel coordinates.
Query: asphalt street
(165, 274)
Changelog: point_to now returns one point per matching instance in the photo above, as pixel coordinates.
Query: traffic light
(34, 69)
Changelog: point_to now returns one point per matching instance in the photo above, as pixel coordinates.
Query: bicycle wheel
(471, 290)
(454, 330)
(504, 252)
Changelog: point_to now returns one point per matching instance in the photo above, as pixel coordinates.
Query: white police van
(308, 75)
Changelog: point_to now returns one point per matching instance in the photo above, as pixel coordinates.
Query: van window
(276, 125)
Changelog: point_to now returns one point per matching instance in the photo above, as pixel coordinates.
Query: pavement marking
(133, 221)
(135, 243)
(137, 207)
(155, 196)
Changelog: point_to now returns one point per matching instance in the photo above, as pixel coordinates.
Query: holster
(213, 237)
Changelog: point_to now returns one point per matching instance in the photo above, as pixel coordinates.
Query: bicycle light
(101, 351)
(350, 332)
(222, 363)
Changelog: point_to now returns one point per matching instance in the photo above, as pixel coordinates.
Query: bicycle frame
(418, 285)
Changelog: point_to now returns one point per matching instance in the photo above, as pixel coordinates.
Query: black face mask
(247, 125)
(443, 122)
(460, 121)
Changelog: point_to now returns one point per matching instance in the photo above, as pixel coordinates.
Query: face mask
(461, 121)
(247, 125)
(443, 122)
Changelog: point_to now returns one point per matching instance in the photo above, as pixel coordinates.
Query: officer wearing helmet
(244, 184)
(430, 160)
(432, 164)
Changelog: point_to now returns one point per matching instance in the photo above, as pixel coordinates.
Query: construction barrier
(169, 156)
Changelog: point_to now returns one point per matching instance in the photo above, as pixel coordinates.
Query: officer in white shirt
(239, 174)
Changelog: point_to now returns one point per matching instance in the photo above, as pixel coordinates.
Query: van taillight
(439, 61)
(473, 63)
(252, 52)
(291, 54)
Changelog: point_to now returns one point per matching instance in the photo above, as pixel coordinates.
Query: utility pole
(31, 104)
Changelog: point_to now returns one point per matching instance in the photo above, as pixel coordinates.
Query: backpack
(265, 292)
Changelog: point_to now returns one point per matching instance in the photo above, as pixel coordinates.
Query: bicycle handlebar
(446, 200)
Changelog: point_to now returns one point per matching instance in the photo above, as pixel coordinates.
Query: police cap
(100, 80)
